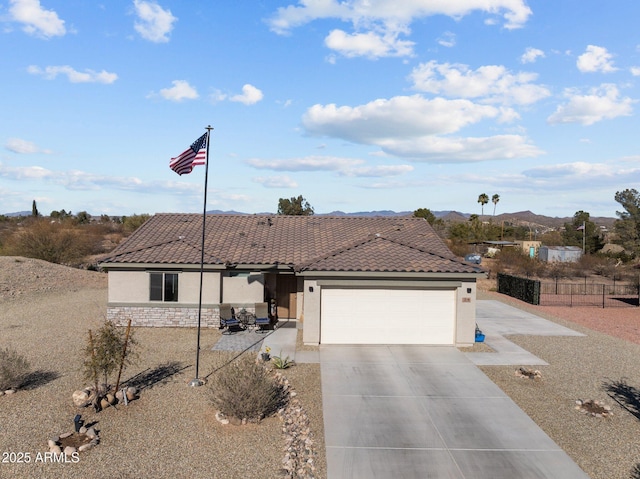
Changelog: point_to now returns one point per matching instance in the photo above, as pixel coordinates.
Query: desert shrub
(282, 363)
(558, 271)
(14, 369)
(50, 241)
(246, 389)
(105, 351)
(516, 261)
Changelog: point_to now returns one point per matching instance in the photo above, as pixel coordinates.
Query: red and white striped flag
(195, 155)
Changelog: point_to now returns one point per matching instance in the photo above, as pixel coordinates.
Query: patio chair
(228, 319)
(263, 321)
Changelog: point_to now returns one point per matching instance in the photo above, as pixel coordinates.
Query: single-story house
(561, 254)
(346, 280)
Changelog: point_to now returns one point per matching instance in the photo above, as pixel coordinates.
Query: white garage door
(387, 316)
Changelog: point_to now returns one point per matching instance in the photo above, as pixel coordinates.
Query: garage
(387, 316)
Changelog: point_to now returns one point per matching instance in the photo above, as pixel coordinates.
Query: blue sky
(357, 105)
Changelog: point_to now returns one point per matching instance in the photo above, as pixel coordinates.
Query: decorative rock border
(300, 453)
(87, 396)
(7, 392)
(74, 442)
(593, 408)
(299, 458)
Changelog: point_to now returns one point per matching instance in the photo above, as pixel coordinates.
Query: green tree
(438, 224)
(133, 222)
(494, 200)
(574, 234)
(294, 206)
(426, 214)
(627, 226)
(83, 218)
(34, 209)
(483, 199)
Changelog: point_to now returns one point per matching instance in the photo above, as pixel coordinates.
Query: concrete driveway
(427, 412)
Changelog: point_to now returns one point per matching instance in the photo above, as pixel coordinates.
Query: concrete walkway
(427, 412)
(497, 319)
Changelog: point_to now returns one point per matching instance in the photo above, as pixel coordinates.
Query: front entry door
(286, 293)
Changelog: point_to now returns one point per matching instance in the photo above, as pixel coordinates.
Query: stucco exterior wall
(133, 287)
(243, 288)
(311, 325)
(466, 314)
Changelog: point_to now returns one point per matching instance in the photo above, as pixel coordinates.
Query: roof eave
(393, 274)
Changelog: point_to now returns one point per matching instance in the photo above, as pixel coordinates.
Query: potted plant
(266, 355)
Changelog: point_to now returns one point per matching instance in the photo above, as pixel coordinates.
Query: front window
(163, 287)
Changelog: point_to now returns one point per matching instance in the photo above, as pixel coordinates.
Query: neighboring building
(351, 280)
(562, 254)
(530, 247)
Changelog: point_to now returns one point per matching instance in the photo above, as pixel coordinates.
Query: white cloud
(276, 181)
(394, 12)
(307, 163)
(74, 76)
(378, 24)
(343, 166)
(181, 90)
(250, 95)
(378, 171)
(602, 103)
(20, 146)
(595, 59)
(369, 44)
(401, 115)
(491, 83)
(434, 149)
(635, 71)
(36, 20)
(154, 23)
(448, 39)
(580, 175)
(531, 55)
(413, 127)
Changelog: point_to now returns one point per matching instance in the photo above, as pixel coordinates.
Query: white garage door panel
(387, 316)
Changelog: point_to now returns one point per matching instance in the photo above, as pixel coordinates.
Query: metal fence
(600, 295)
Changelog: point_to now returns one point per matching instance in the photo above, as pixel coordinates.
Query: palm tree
(483, 199)
(494, 200)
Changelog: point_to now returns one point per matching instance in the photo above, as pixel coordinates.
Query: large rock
(80, 398)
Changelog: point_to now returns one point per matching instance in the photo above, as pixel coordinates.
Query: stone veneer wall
(163, 316)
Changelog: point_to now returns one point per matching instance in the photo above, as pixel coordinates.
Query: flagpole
(197, 381)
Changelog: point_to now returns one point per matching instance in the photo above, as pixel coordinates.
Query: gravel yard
(598, 366)
(46, 311)
(171, 431)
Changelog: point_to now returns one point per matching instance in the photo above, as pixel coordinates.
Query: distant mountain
(369, 213)
(19, 213)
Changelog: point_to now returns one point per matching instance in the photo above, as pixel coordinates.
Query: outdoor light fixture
(311, 289)
(469, 290)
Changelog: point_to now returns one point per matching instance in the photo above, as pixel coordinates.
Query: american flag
(195, 155)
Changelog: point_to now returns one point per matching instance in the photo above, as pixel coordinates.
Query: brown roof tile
(322, 243)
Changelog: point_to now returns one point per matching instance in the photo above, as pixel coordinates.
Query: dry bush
(14, 369)
(54, 242)
(246, 389)
(517, 262)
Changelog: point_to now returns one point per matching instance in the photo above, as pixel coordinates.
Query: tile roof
(306, 243)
